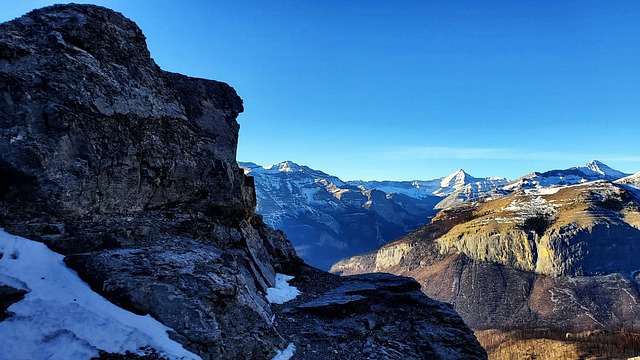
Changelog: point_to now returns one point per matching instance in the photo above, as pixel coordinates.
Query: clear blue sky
(407, 90)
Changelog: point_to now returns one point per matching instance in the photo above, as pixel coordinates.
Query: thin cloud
(469, 153)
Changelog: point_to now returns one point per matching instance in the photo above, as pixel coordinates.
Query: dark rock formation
(130, 171)
(8, 296)
(346, 318)
(106, 157)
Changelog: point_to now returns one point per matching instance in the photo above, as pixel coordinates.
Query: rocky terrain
(561, 258)
(328, 219)
(130, 172)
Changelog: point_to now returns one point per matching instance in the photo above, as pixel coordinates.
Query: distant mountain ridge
(456, 188)
(593, 170)
(328, 219)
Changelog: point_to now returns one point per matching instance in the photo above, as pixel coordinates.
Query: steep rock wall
(575, 272)
(130, 171)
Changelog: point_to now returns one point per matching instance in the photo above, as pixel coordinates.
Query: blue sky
(402, 90)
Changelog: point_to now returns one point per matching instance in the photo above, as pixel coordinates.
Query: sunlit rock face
(562, 257)
(130, 171)
(91, 124)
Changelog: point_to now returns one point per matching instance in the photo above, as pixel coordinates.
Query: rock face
(125, 168)
(556, 258)
(345, 318)
(130, 171)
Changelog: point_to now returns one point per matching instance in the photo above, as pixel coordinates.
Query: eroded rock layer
(563, 258)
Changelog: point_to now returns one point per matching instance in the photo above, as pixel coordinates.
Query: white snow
(61, 317)
(282, 292)
(16, 138)
(285, 354)
(543, 190)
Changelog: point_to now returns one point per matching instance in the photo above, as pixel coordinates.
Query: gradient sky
(402, 90)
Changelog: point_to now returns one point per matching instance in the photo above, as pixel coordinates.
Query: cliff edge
(130, 171)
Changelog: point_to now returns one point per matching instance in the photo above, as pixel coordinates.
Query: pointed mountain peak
(458, 173)
(597, 166)
(288, 166)
(604, 170)
(458, 177)
(285, 166)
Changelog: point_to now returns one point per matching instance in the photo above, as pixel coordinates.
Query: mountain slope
(592, 171)
(453, 189)
(561, 258)
(327, 219)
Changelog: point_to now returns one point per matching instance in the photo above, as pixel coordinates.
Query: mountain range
(328, 219)
(559, 252)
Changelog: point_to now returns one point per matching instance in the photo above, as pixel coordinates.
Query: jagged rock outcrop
(556, 258)
(345, 318)
(105, 156)
(130, 171)
(8, 296)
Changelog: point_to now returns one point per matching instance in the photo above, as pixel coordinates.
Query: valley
(550, 253)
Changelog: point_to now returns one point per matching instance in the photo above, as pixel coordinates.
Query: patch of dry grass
(550, 344)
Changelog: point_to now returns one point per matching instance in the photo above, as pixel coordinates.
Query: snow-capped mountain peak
(455, 180)
(288, 166)
(604, 170)
(282, 167)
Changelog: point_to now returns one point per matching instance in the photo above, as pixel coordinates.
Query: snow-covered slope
(592, 171)
(453, 189)
(632, 183)
(602, 171)
(60, 317)
(632, 180)
(328, 219)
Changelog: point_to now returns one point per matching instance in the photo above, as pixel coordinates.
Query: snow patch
(285, 354)
(543, 190)
(16, 138)
(62, 318)
(282, 292)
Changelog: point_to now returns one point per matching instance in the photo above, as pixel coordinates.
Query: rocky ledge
(130, 171)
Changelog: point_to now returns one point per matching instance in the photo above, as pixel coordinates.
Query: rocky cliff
(551, 258)
(130, 171)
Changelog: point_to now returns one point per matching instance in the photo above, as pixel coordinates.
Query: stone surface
(90, 125)
(8, 296)
(130, 171)
(349, 319)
